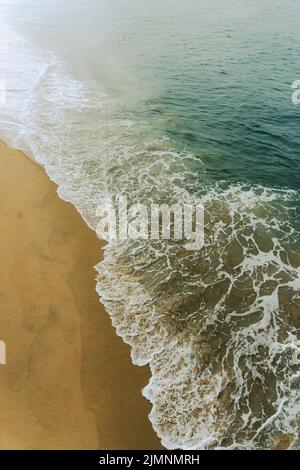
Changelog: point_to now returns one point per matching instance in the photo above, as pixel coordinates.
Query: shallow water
(179, 102)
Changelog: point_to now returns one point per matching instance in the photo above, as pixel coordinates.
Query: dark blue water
(217, 72)
(227, 73)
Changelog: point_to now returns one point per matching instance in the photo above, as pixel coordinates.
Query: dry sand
(68, 382)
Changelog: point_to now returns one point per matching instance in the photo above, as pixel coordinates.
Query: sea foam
(219, 326)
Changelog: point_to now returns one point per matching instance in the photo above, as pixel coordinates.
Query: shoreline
(55, 327)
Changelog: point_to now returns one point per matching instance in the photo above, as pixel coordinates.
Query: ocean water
(179, 101)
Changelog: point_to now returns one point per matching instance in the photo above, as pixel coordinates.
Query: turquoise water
(227, 88)
(172, 101)
(218, 74)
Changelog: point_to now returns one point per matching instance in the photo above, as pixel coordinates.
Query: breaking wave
(219, 327)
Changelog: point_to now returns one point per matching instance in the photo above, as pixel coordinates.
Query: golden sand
(68, 382)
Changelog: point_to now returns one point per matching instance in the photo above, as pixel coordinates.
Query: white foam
(222, 330)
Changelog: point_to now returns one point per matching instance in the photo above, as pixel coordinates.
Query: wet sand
(68, 382)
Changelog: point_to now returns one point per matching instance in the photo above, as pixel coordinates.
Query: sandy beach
(68, 382)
